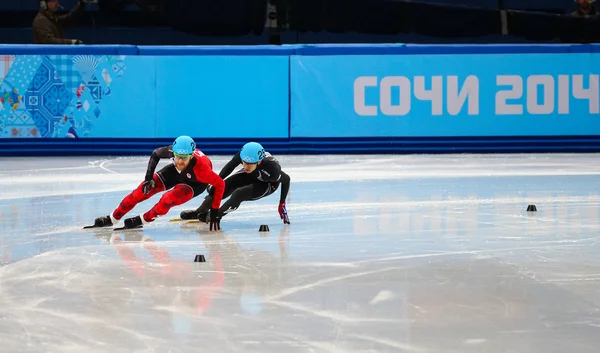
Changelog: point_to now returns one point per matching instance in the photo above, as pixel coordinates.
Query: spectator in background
(585, 8)
(48, 27)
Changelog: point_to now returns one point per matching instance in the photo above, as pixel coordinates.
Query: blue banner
(222, 96)
(334, 98)
(118, 96)
(445, 95)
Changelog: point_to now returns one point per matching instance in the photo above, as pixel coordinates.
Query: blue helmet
(184, 145)
(252, 152)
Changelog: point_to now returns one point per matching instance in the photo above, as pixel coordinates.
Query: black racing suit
(242, 186)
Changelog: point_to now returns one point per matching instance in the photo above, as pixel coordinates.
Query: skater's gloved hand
(283, 213)
(147, 186)
(214, 219)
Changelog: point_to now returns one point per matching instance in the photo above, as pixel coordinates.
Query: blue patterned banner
(55, 95)
(113, 96)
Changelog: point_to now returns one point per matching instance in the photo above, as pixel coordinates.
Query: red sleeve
(205, 174)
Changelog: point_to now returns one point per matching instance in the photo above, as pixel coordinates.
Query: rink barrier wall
(297, 99)
(127, 147)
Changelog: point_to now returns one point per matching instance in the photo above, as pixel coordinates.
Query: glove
(147, 186)
(214, 219)
(283, 213)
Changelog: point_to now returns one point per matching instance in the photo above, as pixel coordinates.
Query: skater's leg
(164, 179)
(129, 202)
(135, 197)
(237, 197)
(232, 185)
(179, 195)
(233, 182)
(207, 203)
(252, 192)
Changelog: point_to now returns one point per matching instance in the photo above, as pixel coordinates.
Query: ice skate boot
(133, 222)
(203, 217)
(189, 214)
(103, 221)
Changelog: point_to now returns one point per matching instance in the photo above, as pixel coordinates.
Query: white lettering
(503, 108)
(547, 84)
(434, 95)
(591, 93)
(385, 95)
(515, 95)
(563, 94)
(456, 99)
(360, 106)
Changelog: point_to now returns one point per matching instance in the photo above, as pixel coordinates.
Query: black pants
(171, 177)
(241, 187)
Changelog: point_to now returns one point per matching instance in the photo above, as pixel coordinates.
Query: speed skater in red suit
(187, 177)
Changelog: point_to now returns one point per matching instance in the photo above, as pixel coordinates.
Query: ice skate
(189, 214)
(203, 217)
(132, 223)
(101, 222)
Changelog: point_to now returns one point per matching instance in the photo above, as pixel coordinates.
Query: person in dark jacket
(48, 27)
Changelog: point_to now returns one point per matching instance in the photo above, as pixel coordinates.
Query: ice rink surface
(384, 254)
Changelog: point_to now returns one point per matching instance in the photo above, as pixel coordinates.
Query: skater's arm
(230, 166)
(219, 185)
(212, 178)
(157, 155)
(285, 186)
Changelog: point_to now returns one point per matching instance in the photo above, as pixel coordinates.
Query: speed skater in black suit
(260, 176)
